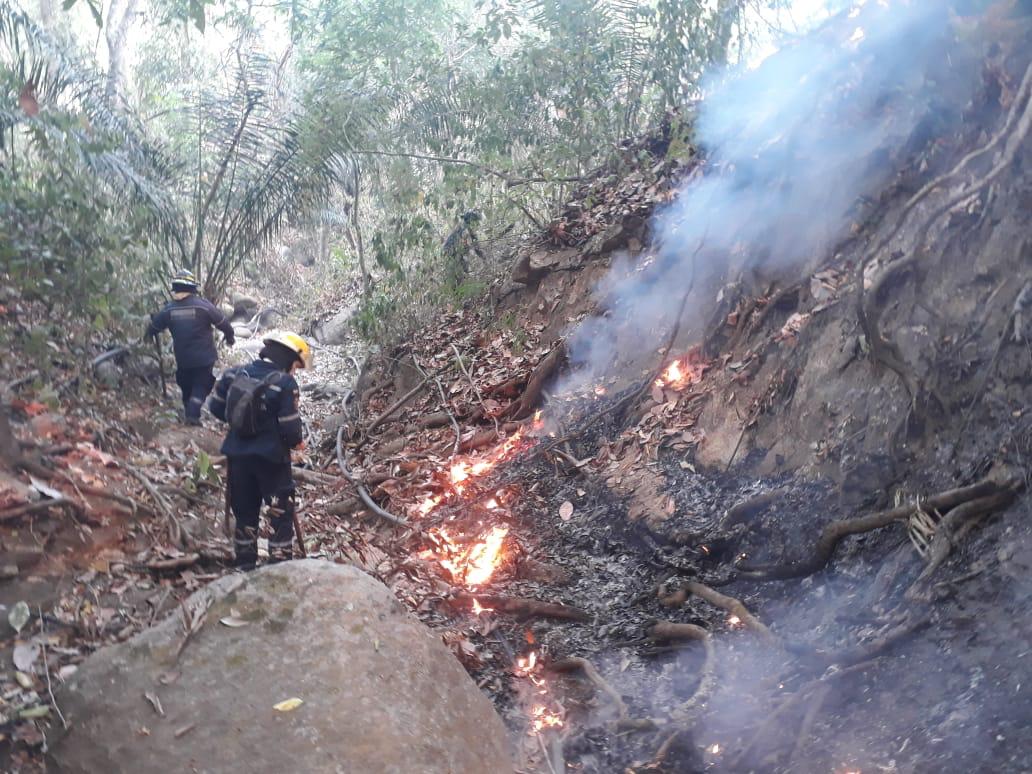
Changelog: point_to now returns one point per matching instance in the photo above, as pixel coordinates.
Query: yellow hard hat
(294, 343)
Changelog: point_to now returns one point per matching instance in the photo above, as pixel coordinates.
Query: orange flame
(527, 663)
(680, 373)
(734, 621)
(473, 565)
(478, 608)
(542, 718)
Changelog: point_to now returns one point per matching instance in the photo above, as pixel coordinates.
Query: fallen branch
(394, 407)
(668, 630)
(40, 505)
(363, 493)
(307, 476)
(834, 532)
(177, 563)
(523, 607)
(448, 415)
(478, 441)
(193, 620)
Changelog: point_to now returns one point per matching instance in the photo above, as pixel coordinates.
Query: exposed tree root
(730, 604)
(528, 401)
(834, 532)
(820, 693)
(681, 632)
(585, 666)
(952, 529)
(1016, 127)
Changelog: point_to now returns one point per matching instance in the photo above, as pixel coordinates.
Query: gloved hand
(230, 340)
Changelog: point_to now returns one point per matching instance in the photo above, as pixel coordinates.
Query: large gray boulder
(380, 692)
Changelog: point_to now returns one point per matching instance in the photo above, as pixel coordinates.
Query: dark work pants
(195, 383)
(254, 480)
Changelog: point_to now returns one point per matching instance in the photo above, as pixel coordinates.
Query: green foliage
(513, 90)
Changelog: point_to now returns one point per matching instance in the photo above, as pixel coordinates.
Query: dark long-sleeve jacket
(190, 321)
(280, 428)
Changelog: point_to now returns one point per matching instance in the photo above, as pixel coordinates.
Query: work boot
(281, 553)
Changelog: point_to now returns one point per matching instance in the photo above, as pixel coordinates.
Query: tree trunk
(324, 244)
(46, 13)
(9, 450)
(357, 230)
(121, 14)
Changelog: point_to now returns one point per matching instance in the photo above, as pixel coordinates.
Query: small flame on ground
(527, 663)
(491, 504)
(478, 608)
(680, 374)
(714, 749)
(543, 718)
(734, 621)
(473, 565)
(462, 471)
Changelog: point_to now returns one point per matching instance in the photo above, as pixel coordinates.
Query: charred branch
(523, 607)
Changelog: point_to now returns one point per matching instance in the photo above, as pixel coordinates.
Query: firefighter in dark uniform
(190, 319)
(259, 462)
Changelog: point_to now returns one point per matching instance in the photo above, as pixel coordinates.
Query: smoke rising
(791, 148)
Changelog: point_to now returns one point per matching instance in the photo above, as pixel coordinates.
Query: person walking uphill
(190, 319)
(259, 402)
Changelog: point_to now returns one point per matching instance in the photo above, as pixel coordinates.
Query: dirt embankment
(844, 450)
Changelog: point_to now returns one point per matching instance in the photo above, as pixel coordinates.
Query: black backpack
(245, 403)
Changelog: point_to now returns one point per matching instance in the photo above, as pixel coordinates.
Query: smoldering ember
(516, 385)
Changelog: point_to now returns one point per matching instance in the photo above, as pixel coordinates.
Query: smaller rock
(108, 375)
(243, 306)
(242, 332)
(48, 425)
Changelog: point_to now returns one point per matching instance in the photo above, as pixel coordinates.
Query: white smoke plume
(791, 148)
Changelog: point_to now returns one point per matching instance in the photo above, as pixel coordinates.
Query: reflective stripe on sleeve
(289, 418)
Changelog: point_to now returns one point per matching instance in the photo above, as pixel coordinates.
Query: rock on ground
(335, 329)
(380, 691)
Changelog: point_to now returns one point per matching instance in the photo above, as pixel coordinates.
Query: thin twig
(444, 407)
(476, 389)
(176, 534)
(46, 667)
